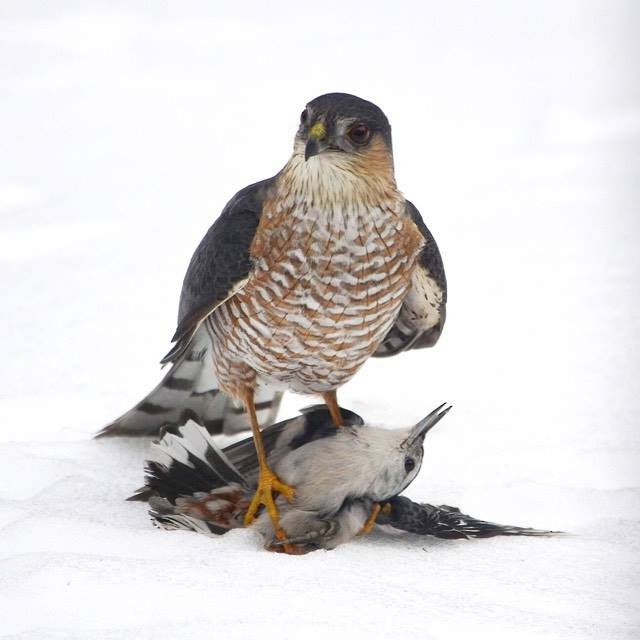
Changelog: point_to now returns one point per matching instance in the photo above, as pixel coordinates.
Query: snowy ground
(516, 132)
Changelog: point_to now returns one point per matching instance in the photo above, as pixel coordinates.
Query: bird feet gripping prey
(268, 481)
(267, 484)
(370, 522)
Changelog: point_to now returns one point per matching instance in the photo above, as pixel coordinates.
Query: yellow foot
(367, 527)
(267, 484)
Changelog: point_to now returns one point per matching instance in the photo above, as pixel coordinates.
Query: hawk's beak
(312, 148)
(317, 141)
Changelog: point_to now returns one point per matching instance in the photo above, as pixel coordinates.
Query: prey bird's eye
(409, 464)
(359, 133)
(304, 116)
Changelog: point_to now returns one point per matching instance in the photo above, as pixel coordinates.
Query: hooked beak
(426, 424)
(317, 141)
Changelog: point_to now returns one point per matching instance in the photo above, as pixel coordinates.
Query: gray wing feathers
(218, 268)
(423, 312)
(445, 522)
(430, 258)
(220, 264)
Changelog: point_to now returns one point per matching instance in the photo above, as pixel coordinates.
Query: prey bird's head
(327, 465)
(341, 128)
(401, 463)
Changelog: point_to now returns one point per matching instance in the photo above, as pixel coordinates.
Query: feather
(444, 521)
(193, 484)
(221, 264)
(423, 312)
(189, 391)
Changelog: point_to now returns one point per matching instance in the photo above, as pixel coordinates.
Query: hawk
(300, 280)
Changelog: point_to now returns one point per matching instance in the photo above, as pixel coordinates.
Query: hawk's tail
(190, 391)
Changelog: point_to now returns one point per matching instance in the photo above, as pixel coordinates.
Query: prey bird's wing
(444, 521)
(221, 265)
(422, 315)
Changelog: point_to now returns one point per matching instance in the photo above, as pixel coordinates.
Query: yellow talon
(367, 527)
(267, 484)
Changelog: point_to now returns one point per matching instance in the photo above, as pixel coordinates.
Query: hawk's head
(336, 124)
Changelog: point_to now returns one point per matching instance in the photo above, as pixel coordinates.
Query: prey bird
(339, 474)
(301, 279)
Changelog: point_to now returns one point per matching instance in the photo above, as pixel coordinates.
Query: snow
(126, 127)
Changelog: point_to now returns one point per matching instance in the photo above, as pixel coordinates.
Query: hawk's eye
(409, 464)
(359, 133)
(304, 116)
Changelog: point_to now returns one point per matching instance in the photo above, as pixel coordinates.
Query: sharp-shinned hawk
(300, 280)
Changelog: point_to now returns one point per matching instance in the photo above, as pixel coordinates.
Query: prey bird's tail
(190, 391)
(192, 484)
(444, 521)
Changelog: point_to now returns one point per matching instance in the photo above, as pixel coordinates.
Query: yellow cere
(318, 131)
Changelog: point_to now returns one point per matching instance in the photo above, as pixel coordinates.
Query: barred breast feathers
(337, 194)
(333, 256)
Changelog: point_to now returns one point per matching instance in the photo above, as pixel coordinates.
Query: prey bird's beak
(426, 424)
(316, 142)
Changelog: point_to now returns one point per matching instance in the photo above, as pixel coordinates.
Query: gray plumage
(443, 521)
(219, 264)
(189, 391)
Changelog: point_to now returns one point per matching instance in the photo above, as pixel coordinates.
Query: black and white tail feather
(187, 458)
(193, 484)
(189, 391)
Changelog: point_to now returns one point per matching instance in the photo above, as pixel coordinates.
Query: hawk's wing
(220, 265)
(421, 318)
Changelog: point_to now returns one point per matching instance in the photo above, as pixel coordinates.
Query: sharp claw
(267, 484)
(289, 493)
(370, 523)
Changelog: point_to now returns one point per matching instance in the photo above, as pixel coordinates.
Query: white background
(124, 129)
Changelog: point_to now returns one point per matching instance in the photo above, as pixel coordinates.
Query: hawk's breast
(327, 286)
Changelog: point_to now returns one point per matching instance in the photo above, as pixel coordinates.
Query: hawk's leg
(268, 481)
(331, 400)
(367, 527)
